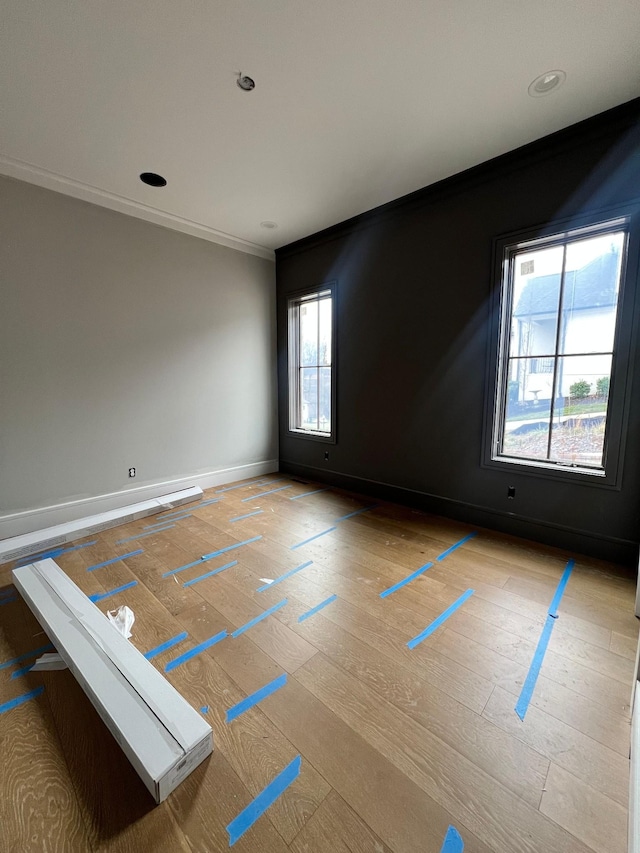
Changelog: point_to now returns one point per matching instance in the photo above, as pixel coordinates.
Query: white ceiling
(357, 102)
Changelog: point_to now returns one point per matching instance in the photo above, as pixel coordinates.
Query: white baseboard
(27, 521)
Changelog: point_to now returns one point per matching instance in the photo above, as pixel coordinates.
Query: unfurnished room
(319, 418)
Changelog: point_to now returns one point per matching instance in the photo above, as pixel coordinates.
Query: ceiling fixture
(546, 83)
(153, 180)
(245, 83)
(268, 224)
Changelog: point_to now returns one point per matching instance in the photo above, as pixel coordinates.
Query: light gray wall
(125, 344)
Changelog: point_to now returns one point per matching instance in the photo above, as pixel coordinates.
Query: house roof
(590, 286)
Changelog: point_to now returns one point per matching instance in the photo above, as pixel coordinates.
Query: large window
(311, 361)
(558, 349)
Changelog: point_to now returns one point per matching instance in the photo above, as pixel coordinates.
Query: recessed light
(546, 83)
(153, 180)
(268, 224)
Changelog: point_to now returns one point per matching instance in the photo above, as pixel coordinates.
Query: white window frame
(505, 248)
(295, 301)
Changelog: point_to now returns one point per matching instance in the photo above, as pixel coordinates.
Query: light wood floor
(397, 744)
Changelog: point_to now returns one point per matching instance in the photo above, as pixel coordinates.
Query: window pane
(325, 399)
(309, 398)
(581, 410)
(325, 332)
(530, 384)
(536, 294)
(527, 415)
(309, 333)
(592, 282)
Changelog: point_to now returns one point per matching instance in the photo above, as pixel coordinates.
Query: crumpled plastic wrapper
(123, 619)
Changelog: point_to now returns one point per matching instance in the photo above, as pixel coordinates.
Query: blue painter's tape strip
(115, 560)
(196, 650)
(169, 644)
(99, 596)
(266, 798)
(441, 618)
(538, 656)
(270, 492)
(315, 609)
(455, 547)
(210, 556)
(247, 515)
(241, 486)
(534, 670)
(173, 518)
(259, 482)
(52, 553)
(553, 607)
(20, 700)
(308, 494)
(44, 555)
(285, 576)
(357, 512)
(187, 566)
(311, 538)
(231, 547)
(142, 535)
(23, 671)
(32, 654)
(453, 842)
(170, 516)
(9, 600)
(256, 697)
(187, 508)
(210, 574)
(406, 580)
(259, 618)
(207, 503)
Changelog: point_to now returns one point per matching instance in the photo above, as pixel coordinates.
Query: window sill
(567, 473)
(325, 437)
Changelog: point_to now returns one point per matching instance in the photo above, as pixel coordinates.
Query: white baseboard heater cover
(52, 537)
(163, 737)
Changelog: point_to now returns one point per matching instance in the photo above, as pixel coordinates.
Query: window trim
(554, 233)
(293, 299)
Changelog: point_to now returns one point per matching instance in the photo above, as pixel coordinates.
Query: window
(558, 359)
(311, 362)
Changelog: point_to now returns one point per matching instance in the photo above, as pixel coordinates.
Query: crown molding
(13, 168)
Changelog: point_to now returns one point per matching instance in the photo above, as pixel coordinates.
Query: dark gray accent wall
(414, 281)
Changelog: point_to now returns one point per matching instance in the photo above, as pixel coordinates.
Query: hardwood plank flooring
(397, 743)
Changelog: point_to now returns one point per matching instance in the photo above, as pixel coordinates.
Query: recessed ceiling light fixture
(546, 83)
(153, 180)
(268, 224)
(245, 83)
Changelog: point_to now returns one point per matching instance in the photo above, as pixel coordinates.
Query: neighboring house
(587, 326)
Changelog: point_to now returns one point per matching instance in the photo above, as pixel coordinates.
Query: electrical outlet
(511, 492)
(326, 456)
(132, 472)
